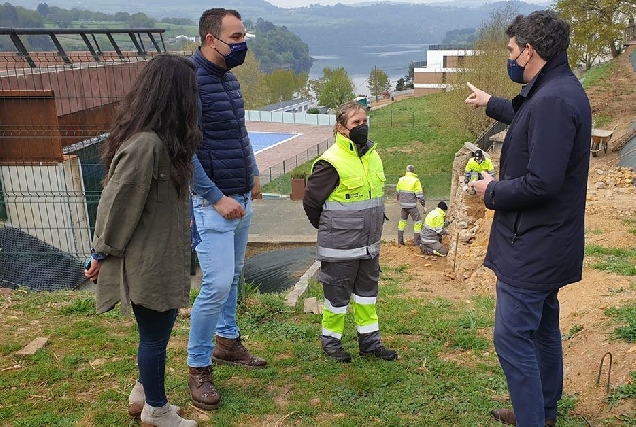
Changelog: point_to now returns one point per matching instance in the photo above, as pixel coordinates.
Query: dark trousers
(528, 342)
(155, 328)
(340, 280)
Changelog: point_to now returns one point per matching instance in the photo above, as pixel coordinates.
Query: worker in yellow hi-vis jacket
(435, 225)
(409, 193)
(475, 166)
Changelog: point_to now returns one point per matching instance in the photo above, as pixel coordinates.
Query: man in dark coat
(536, 240)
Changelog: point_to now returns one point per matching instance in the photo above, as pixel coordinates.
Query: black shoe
(382, 353)
(338, 354)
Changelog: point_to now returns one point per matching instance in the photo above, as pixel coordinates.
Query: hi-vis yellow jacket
(409, 190)
(353, 214)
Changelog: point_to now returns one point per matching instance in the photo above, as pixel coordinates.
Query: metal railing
(290, 163)
(92, 44)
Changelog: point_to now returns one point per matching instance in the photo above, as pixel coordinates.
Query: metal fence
(286, 166)
(55, 110)
(54, 117)
(291, 118)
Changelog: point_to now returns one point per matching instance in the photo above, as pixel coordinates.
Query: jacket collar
(347, 145)
(209, 66)
(553, 67)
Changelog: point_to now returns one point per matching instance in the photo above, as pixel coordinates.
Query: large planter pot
(297, 188)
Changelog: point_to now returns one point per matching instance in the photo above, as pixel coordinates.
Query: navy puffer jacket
(225, 151)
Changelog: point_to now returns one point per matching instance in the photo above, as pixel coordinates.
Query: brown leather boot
(233, 352)
(202, 390)
(507, 416)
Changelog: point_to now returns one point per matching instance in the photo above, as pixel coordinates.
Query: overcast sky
(301, 3)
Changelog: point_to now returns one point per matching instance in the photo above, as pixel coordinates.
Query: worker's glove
(465, 187)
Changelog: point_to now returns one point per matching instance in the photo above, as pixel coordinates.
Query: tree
(333, 88)
(464, 37)
(399, 85)
(140, 20)
(285, 85)
(253, 85)
(378, 82)
(408, 79)
(43, 9)
(178, 21)
(597, 27)
(278, 48)
(486, 69)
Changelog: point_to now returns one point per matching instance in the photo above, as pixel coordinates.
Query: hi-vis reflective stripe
(363, 300)
(330, 205)
(368, 328)
(335, 310)
(437, 230)
(407, 205)
(354, 253)
(329, 333)
(426, 241)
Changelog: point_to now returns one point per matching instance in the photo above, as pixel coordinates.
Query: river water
(360, 61)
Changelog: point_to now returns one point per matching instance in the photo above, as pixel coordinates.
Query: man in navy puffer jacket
(536, 240)
(225, 180)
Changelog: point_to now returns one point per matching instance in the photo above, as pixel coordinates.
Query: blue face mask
(237, 54)
(515, 71)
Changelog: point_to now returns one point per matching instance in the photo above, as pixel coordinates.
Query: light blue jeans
(221, 254)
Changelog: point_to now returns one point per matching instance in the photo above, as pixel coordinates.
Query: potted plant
(298, 183)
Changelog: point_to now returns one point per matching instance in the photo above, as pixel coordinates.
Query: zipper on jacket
(516, 227)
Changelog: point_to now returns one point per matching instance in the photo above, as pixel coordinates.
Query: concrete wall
(49, 203)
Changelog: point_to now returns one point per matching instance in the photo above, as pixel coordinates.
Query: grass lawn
(408, 132)
(447, 375)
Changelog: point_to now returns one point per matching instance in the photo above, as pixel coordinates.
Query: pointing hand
(478, 98)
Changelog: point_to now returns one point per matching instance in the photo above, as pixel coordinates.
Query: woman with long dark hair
(141, 246)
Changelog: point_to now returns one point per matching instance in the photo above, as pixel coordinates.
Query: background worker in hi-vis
(409, 192)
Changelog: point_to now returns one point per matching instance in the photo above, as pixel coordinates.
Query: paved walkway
(284, 221)
(296, 151)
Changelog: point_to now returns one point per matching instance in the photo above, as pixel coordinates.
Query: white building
(439, 62)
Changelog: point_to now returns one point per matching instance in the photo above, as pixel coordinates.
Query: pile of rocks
(620, 177)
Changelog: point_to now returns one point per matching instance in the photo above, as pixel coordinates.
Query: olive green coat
(144, 228)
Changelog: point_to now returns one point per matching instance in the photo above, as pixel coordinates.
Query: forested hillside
(275, 47)
(328, 30)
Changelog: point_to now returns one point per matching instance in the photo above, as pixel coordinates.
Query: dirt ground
(611, 202)
(383, 102)
(461, 275)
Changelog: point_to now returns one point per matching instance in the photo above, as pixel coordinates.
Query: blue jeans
(155, 328)
(221, 254)
(528, 343)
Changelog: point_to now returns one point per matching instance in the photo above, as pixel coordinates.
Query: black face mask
(359, 134)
